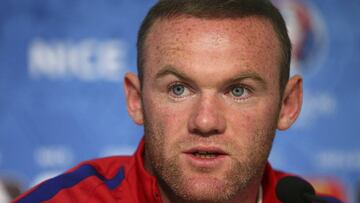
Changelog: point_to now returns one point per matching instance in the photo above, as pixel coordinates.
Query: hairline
(285, 51)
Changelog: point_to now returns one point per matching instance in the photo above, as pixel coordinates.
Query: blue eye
(178, 89)
(237, 91)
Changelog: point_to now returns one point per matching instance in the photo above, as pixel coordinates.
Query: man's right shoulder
(83, 182)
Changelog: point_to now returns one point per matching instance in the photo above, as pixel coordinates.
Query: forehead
(255, 29)
(248, 40)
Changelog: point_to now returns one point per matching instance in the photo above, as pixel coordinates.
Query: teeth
(205, 155)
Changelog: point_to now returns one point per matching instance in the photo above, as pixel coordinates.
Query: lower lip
(205, 162)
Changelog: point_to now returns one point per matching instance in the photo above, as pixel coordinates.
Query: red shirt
(117, 179)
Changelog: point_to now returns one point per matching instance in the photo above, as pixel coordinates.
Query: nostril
(203, 133)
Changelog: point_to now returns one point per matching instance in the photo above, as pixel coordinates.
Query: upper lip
(210, 149)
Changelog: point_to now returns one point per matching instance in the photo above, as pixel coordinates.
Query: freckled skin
(210, 52)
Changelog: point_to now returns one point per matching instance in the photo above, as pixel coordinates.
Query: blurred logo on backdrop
(338, 160)
(329, 186)
(86, 59)
(309, 38)
(307, 32)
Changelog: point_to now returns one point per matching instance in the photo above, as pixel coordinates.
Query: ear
(133, 98)
(291, 103)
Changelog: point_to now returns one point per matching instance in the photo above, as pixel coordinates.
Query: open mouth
(205, 154)
(206, 157)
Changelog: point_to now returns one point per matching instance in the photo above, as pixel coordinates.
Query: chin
(207, 189)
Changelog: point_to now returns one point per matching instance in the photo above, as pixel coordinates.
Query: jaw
(208, 188)
(191, 183)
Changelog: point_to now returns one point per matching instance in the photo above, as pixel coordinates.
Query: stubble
(245, 168)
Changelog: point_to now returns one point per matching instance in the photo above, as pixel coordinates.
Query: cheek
(253, 132)
(247, 121)
(171, 118)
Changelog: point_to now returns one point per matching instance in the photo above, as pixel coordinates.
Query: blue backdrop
(62, 101)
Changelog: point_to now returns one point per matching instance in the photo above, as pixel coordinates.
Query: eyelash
(247, 90)
(172, 85)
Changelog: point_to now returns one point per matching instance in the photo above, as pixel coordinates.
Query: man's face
(211, 103)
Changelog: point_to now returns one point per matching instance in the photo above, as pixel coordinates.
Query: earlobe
(291, 103)
(133, 98)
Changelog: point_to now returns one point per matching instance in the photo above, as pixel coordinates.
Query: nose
(207, 118)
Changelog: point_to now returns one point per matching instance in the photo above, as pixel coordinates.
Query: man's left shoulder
(270, 179)
(272, 176)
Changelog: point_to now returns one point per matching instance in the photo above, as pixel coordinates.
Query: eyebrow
(170, 70)
(248, 75)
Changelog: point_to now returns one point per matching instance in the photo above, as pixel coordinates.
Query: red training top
(117, 179)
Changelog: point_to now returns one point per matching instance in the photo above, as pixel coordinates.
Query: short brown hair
(218, 9)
